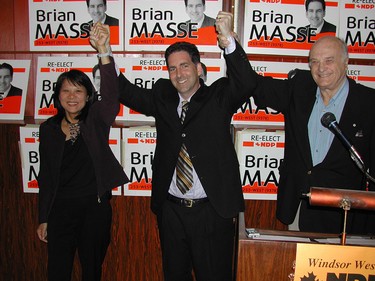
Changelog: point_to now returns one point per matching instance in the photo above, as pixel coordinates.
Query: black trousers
(80, 224)
(196, 239)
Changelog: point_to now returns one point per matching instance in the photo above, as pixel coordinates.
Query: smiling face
(73, 98)
(195, 9)
(315, 14)
(97, 10)
(183, 73)
(328, 64)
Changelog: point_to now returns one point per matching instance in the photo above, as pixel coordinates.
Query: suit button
(309, 172)
(183, 135)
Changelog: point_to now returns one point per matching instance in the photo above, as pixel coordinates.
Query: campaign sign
(29, 150)
(152, 25)
(334, 262)
(260, 154)
(64, 25)
(363, 74)
(357, 27)
(138, 153)
(286, 27)
(14, 75)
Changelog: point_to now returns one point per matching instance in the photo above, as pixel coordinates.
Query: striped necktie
(184, 167)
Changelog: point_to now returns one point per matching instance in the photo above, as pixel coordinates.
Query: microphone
(329, 121)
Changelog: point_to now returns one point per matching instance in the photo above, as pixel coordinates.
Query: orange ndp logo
(271, 1)
(263, 144)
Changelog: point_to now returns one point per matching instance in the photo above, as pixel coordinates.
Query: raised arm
(109, 105)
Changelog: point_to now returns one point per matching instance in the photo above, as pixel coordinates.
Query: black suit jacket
(327, 27)
(295, 98)
(14, 91)
(95, 132)
(111, 21)
(206, 133)
(207, 21)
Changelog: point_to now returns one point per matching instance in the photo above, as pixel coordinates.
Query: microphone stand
(358, 161)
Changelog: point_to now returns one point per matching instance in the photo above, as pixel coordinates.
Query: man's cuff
(232, 46)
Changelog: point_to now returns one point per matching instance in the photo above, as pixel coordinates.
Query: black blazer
(295, 98)
(206, 133)
(95, 132)
(14, 91)
(111, 21)
(327, 27)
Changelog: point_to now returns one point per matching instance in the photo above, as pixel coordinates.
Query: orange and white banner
(357, 27)
(13, 89)
(282, 26)
(64, 25)
(363, 74)
(29, 150)
(260, 154)
(138, 153)
(152, 25)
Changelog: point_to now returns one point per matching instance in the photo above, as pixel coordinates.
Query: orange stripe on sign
(112, 141)
(84, 69)
(19, 69)
(366, 78)
(349, 6)
(332, 4)
(248, 143)
(45, 69)
(294, 2)
(137, 67)
(132, 140)
(213, 69)
(276, 75)
(29, 140)
(280, 144)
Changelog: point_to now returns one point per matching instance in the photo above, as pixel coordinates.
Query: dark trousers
(196, 239)
(80, 224)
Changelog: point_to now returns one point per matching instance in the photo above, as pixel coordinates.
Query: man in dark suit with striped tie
(196, 185)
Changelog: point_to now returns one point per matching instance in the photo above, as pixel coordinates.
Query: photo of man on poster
(97, 10)
(315, 13)
(195, 10)
(10, 96)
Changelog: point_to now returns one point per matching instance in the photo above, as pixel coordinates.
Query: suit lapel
(196, 103)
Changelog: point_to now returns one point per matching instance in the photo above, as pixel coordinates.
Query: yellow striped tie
(184, 167)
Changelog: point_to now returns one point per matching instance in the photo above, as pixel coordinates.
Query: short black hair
(307, 3)
(7, 66)
(203, 2)
(88, 3)
(190, 48)
(76, 77)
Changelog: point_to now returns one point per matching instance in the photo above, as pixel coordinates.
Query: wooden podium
(260, 260)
